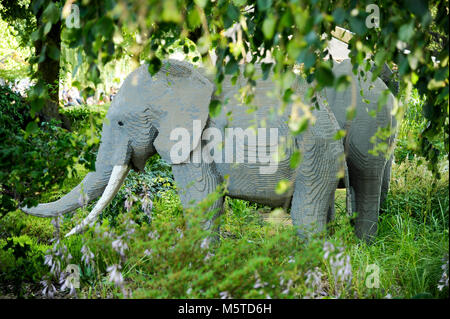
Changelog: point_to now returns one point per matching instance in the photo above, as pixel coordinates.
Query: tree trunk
(48, 71)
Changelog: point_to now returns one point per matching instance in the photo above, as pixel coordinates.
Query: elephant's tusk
(118, 175)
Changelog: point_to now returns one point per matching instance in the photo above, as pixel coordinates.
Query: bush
(18, 223)
(30, 164)
(143, 188)
(21, 260)
(410, 129)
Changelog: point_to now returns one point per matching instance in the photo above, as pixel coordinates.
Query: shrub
(411, 127)
(141, 188)
(29, 164)
(21, 260)
(18, 223)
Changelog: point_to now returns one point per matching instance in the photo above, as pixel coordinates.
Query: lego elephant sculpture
(151, 113)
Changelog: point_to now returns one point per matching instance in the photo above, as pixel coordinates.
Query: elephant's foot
(367, 195)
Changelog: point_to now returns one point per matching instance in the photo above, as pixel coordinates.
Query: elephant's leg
(314, 188)
(367, 186)
(194, 183)
(331, 210)
(386, 180)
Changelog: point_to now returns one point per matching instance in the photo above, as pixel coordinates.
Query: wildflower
(67, 283)
(49, 289)
(129, 200)
(54, 264)
(147, 205)
(289, 284)
(148, 252)
(83, 200)
(225, 295)
(443, 282)
(120, 246)
(56, 223)
(153, 235)
(259, 283)
(314, 282)
(115, 275)
(87, 255)
(205, 243)
(327, 248)
(208, 256)
(339, 263)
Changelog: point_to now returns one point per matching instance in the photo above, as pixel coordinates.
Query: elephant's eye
(120, 123)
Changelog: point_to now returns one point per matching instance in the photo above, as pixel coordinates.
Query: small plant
(21, 261)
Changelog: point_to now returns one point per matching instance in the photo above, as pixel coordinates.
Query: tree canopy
(410, 36)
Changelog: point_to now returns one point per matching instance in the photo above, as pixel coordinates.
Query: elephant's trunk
(118, 175)
(89, 189)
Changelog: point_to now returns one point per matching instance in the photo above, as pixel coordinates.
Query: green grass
(257, 254)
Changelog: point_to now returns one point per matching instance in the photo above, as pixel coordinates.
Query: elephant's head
(138, 123)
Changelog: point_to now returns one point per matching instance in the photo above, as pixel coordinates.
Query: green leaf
(342, 82)
(170, 12)
(358, 25)
(215, 108)
(283, 186)
(36, 105)
(351, 113)
(105, 27)
(324, 76)
(296, 158)
(249, 70)
(268, 26)
(340, 134)
(201, 3)
(265, 67)
(418, 7)
(53, 52)
(154, 65)
(233, 12)
(47, 27)
(406, 32)
(307, 58)
(231, 67)
(382, 99)
(339, 15)
(423, 295)
(239, 2)
(31, 128)
(263, 5)
(193, 19)
(51, 13)
(298, 125)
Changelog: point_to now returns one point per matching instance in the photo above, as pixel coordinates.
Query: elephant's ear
(182, 97)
